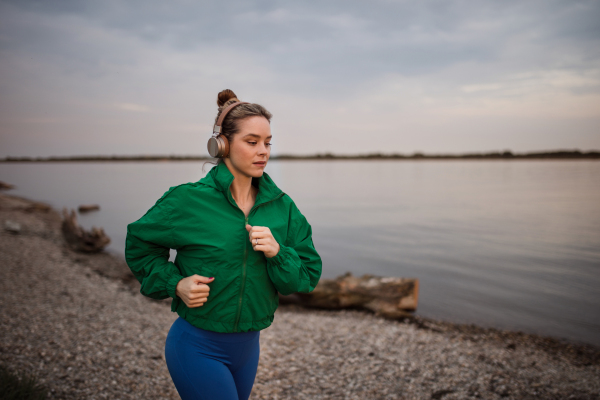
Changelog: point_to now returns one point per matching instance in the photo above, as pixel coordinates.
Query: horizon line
(560, 153)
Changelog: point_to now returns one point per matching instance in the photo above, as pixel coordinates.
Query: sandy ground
(80, 324)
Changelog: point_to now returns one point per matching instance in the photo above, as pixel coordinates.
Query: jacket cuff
(279, 258)
(172, 285)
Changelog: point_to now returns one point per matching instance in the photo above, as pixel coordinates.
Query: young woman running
(240, 241)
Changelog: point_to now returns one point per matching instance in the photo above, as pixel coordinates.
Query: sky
(341, 76)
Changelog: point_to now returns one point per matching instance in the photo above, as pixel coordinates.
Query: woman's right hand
(193, 290)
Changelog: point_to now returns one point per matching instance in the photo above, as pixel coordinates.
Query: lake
(513, 244)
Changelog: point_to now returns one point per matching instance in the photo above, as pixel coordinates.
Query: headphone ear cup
(225, 145)
(218, 147)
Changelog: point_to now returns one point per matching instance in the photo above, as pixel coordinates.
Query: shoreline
(39, 256)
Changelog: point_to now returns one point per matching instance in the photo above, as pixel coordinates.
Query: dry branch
(80, 239)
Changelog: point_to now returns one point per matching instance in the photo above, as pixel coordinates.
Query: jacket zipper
(239, 310)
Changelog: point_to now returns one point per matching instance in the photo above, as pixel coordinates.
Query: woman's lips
(261, 163)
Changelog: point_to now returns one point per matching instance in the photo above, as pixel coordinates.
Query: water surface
(513, 244)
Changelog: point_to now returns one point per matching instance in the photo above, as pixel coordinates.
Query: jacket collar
(220, 178)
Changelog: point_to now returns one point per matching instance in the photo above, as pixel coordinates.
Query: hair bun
(225, 96)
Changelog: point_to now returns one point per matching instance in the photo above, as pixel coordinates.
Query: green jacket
(204, 224)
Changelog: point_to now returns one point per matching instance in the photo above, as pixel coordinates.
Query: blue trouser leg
(207, 365)
(246, 372)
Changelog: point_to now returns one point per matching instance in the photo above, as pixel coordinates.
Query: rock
(441, 393)
(390, 297)
(12, 226)
(6, 186)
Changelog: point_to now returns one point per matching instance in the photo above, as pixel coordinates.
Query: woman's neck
(241, 188)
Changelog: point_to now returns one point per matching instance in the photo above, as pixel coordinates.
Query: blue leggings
(206, 365)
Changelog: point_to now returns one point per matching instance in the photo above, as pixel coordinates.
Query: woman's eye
(266, 144)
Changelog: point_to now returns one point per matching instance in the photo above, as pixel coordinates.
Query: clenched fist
(262, 240)
(193, 290)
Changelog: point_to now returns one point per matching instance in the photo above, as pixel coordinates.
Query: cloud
(331, 72)
(132, 107)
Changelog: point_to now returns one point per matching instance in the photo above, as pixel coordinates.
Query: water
(510, 244)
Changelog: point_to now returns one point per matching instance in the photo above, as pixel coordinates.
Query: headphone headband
(217, 127)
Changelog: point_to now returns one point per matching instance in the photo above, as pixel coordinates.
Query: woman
(240, 241)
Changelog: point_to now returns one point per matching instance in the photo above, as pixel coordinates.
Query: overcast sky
(141, 77)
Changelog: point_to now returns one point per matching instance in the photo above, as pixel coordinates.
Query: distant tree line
(558, 154)
(491, 155)
(106, 158)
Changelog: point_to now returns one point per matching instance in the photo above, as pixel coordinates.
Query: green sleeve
(147, 251)
(297, 266)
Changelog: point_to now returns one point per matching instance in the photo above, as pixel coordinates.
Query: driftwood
(79, 239)
(88, 207)
(6, 186)
(389, 297)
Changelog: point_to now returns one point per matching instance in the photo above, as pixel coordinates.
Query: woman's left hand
(266, 242)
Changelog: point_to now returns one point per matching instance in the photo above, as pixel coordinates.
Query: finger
(261, 247)
(200, 285)
(198, 296)
(259, 229)
(261, 240)
(248, 227)
(261, 236)
(264, 242)
(199, 300)
(196, 299)
(202, 279)
(255, 229)
(200, 289)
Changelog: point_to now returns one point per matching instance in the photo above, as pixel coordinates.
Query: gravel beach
(79, 323)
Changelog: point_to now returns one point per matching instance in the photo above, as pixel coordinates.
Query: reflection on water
(512, 244)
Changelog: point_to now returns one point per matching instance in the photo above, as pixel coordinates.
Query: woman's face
(250, 148)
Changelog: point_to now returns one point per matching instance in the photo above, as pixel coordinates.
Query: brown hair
(230, 124)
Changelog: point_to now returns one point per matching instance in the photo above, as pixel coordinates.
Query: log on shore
(88, 207)
(390, 297)
(79, 239)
